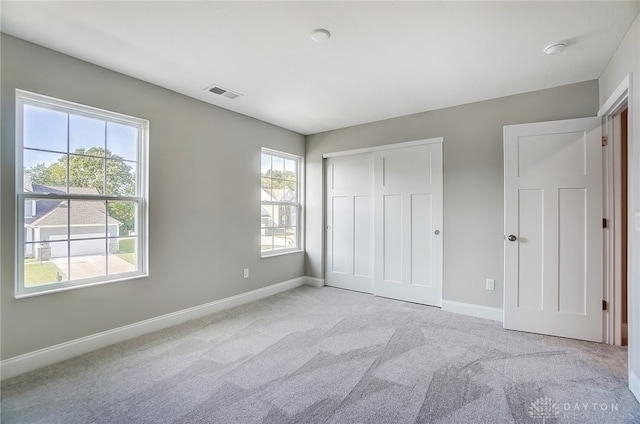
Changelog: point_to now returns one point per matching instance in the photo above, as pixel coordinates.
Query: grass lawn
(37, 274)
(127, 248)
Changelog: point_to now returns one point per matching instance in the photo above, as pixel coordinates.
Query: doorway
(616, 207)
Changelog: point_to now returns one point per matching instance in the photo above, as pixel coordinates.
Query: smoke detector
(221, 91)
(320, 35)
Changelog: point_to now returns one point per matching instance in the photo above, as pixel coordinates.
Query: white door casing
(408, 223)
(349, 216)
(553, 228)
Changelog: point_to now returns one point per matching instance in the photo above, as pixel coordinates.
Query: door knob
(436, 232)
(512, 237)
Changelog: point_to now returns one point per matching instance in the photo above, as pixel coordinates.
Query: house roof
(278, 195)
(56, 212)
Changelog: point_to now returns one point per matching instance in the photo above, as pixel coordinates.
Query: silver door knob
(512, 238)
(436, 232)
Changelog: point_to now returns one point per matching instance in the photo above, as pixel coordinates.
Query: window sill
(280, 253)
(63, 288)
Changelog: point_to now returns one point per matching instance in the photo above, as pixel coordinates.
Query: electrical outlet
(246, 273)
(491, 284)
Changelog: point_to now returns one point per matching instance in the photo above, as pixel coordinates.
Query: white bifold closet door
(384, 223)
(349, 216)
(408, 224)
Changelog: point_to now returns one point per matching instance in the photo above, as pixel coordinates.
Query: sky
(53, 131)
(277, 164)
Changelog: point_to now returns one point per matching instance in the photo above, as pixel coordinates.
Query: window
(81, 195)
(280, 206)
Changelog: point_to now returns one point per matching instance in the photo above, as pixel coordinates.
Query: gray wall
(204, 202)
(627, 60)
(473, 178)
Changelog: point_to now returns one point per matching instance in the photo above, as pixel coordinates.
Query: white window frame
(298, 203)
(141, 198)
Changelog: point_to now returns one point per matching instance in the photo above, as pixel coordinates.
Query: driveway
(92, 266)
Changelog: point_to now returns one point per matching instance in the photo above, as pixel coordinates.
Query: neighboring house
(48, 221)
(276, 216)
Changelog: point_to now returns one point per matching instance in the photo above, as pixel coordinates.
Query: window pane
(290, 167)
(122, 255)
(122, 218)
(44, 169)
(290, 186)
(265, 166)
(45, 220)
(40, 268)
(266, 217)
(279, 238)
(86, 135)
(266, 194)
(289, 192)
(44, 129)
(88, 258)
(86, 175)
(277, 168)
(288, 216)
(292, 238)
(278, 193)
(88, 220)
(266, 243)
(122, 141)
(121, 178)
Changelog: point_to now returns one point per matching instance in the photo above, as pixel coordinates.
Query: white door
(553, 228)
(408, 224)
(349, 222)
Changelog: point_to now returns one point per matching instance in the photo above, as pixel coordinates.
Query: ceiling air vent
(220, 91)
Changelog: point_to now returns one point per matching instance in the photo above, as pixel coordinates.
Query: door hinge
(605, 223)
(604, 141)
(604, 305)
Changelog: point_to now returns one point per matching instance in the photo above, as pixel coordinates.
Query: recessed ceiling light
(320, 35)
(555, 48)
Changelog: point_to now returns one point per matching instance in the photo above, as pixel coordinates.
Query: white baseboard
(470, 309)
(314, 282)
(30, 361)
(634, 385)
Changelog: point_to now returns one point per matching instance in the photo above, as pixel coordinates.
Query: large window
(280, 208)
(81, 195)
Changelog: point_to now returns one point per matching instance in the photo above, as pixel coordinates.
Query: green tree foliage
(279, 179)
(86, 169)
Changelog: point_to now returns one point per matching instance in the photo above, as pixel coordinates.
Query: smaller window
(280, 203)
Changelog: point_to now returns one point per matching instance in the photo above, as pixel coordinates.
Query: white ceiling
(384, 59)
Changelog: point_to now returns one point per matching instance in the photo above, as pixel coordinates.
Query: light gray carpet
(331, 356)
